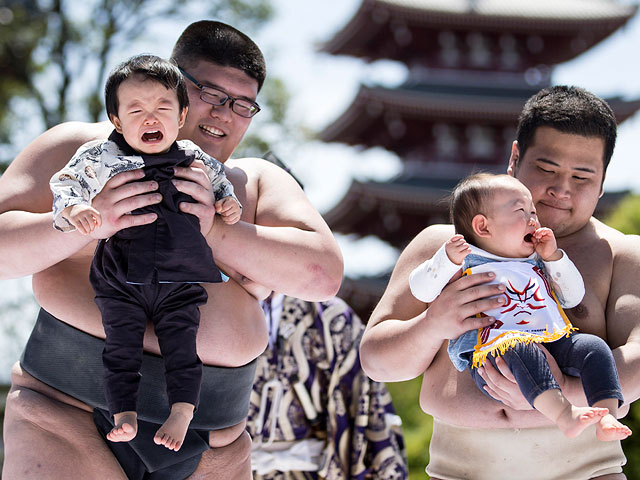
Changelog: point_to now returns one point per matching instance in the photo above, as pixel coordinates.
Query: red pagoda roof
(472, 66)
(367, 109)
(364, 122)
(394, 211)
(371, 32)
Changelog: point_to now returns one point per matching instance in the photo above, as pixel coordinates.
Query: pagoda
(471, 66)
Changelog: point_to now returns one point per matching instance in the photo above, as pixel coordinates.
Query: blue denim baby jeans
(579, 355)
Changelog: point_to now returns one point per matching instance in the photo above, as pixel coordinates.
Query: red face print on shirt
(523, 302)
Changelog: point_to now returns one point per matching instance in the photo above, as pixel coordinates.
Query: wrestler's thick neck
(232, 330)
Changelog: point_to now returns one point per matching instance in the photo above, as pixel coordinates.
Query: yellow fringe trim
(480, 356)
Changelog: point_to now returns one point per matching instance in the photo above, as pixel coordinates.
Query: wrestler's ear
(604, 175)
(116, 122)
(480, 226)
(513, 159)
(182, 117)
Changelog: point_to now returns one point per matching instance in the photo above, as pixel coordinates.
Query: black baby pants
(126, 308)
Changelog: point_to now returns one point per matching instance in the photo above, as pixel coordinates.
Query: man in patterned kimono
(314, 413)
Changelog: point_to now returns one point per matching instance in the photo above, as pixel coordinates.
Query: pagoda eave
(410, 198)
(623, 109)
(470, 66)
(373, 18)
(372, 105)
(392, 211)
(373, 108)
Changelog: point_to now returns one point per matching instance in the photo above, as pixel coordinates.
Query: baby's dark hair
(150, 67)
(219, 43)
(470, 198)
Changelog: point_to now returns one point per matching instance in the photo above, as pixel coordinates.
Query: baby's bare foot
(126, 427)
(171, 433)
(575, 419)
(609, 429)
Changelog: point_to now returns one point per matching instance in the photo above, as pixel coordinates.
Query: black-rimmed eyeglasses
(215, 96)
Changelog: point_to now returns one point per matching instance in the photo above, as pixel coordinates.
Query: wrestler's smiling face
(564, 173)
(216, 129)
(149, 115)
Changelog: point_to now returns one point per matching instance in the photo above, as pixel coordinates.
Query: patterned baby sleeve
(85, 175)
(220, 184)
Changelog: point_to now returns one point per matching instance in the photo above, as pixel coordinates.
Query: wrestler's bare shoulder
(595, 232)
(621, 243)
(428, 241)
(79, 131)
(24, 185)
(62, 141)
(252, 170)
(598, 248)
(244, 173)
(265, 186)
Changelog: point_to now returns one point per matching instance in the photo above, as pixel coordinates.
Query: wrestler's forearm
(30, 244)
(300, 263)
(398, 350)
(627, 359)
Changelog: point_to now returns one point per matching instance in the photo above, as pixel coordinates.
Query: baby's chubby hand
(229, 209)
(457, 249)
(84, 217)
(545, 244)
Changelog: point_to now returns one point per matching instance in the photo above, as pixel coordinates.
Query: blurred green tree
(626, 216)
(416, 425)
(22, 25)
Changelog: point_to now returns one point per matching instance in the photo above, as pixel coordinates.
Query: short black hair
(151, 67)
(571, 110)
(222, 44)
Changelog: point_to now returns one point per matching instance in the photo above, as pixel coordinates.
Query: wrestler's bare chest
(595, 265)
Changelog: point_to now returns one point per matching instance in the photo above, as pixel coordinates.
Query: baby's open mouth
(153, 136)
(528, 238)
